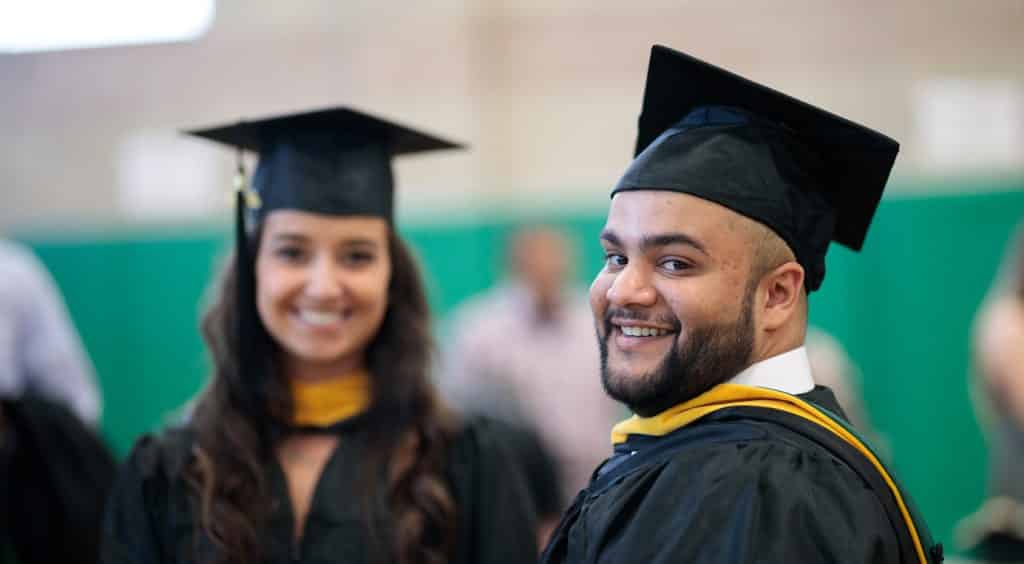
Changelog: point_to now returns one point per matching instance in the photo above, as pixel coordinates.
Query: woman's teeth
(319, 318)
(642, 331)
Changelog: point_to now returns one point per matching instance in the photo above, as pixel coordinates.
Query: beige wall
(546, 92)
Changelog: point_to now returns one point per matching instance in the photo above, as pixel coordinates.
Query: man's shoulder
(732, 450)
(732, 487)
(767, 437)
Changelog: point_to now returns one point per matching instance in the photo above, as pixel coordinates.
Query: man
(715, 235)
(995, 532)
(524, 353)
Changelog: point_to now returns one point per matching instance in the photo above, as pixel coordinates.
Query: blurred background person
(55, 471)
(41, 354)
(525, 351)
(832, 366)
(995, 532)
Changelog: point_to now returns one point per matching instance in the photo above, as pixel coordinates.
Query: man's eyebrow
(658, 240)
(609, 236)
(666, 239)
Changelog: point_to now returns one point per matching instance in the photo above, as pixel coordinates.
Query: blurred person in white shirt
(41, 353)
(524, 352)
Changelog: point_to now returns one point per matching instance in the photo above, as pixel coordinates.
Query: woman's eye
(290, 254)
(615, 260)
(358, 258)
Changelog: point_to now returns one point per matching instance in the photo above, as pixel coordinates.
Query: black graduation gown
(740, 485)
(55, 473)
(151, 513)
(539, 467)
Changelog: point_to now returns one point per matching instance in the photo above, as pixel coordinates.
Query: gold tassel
(252, 198)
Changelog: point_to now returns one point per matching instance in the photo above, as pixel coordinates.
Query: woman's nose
(325, 280)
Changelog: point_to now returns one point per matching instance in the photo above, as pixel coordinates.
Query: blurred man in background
(524, 352)
(40, 351)
(995, 533)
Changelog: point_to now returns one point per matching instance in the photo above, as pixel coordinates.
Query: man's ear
(783, 292)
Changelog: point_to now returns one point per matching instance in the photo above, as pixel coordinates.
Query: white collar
(789, 372)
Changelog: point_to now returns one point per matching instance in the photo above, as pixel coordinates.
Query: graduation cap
(335, 161)
(809, 175)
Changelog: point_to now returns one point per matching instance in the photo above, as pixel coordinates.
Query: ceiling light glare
(54, 25)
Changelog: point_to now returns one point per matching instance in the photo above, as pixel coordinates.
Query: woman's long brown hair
(409, 430)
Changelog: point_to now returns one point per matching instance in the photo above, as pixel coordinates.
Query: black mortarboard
(335, 161)
(808, 175)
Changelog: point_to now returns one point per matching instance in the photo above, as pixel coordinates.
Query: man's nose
(633, 286)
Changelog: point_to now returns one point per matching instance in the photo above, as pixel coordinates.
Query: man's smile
(631, 335)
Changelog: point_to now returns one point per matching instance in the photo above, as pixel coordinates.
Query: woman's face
(322, 288)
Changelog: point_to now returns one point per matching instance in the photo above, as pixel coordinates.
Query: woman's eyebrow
(287, 236)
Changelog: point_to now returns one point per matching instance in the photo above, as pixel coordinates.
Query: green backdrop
(902, 308)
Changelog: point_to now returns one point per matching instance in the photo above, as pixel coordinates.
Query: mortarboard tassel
(245, 291)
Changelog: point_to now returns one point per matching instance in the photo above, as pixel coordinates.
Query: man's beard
(709, 356)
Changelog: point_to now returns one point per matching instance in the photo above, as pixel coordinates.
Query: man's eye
(615, 260)
(675, 265)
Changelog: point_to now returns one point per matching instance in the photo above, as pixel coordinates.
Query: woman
(320, 438)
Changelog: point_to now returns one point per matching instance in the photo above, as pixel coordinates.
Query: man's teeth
(319, 317)
(642, 331)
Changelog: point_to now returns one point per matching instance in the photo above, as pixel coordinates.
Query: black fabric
(151, 513)
(750, 166)
(345, 426)
(998, 547)
(55, 474)
(335, 161)
(538, 464)
(807, 174)
(733, 487)
(362, 175)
